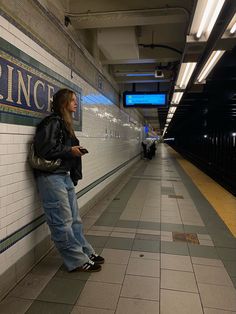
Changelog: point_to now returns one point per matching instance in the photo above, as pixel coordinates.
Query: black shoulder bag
(42, 164)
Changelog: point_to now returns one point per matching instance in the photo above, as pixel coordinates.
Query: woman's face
(72, 106)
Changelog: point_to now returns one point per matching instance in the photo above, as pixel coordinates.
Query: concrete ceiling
(133, 38)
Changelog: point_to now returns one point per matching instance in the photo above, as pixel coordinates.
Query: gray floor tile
(206, 242)
(12, 305)
(125, 230)
(174, 248)
(139, 287)
(219, 297)
(116, 256)
(207, 261)
(171, 220)
(90, 310)
(212, 275)
(76, 275)
(143, 267)
(98, 233)
(149, 225)
(178, 280)
(167, 190)
(97, 241)
(107, 219)
(61, 290)
(216, 311)
(203, 251)
(234, 281)
(127, 235)
(126, 224)
(230, 267)
(119, 243)
(172, 227)
(129, 306)
(30, 287)
(176, 262)
(145, 231)
(111, 273)
(48, 266)
(224, 242)
(115, 210)
(142, 236)
(145, 255)
(39, 307)
(146, 246)
(180, 302)
(99, 295)
(102, 228)
(195, 229)
(227, 254)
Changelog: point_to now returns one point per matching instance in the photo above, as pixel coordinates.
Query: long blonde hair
(61, 100)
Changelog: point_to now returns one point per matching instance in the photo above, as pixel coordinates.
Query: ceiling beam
(124, 18)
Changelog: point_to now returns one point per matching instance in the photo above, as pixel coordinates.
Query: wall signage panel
(26, 92)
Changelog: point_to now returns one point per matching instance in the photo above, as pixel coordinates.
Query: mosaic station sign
(27, 92)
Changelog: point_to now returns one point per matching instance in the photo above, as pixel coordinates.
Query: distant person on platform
(153, 149)
(144, 146)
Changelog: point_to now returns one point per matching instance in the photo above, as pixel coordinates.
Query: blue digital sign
(139, 99)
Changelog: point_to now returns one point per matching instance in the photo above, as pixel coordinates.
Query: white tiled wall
(107, 133)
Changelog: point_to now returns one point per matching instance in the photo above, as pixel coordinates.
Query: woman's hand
(75, 150)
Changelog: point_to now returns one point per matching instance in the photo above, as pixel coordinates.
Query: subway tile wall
(106, 132)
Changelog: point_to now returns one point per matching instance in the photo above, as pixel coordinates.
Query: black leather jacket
(52, 141)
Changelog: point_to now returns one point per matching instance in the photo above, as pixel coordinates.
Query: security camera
(159, 73)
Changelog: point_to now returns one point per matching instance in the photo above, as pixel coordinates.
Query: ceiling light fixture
(185, 73)
(172, 109)
(176, 97)
(205, 16)
(214, 15)
(204, 19)
(209, 65)
(233, 29)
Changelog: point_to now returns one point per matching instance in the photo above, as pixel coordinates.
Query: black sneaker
(97, 259)
(90, 266)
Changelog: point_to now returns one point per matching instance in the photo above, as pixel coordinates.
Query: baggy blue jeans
(62, 215)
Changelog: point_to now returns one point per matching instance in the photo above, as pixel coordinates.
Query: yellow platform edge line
(220, 199)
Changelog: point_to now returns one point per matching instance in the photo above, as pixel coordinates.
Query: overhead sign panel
(144, 99)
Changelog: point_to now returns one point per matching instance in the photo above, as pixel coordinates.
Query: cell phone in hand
(83, 150)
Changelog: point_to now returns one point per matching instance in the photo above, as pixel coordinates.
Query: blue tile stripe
(19, 234)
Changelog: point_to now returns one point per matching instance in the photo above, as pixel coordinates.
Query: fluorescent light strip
(204, 18)
(187, 74)
(170, 115)
(191, 69)
(176, 97)
(233, 29)
(172, 109)
(211, 62)
(184, 75)
(215, 15)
